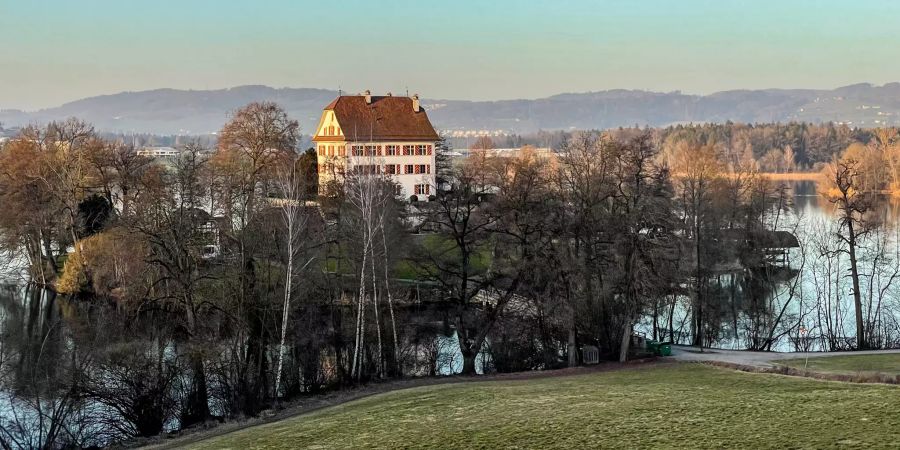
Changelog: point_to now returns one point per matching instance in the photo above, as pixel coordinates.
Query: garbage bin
(664, 349)
(652, 347)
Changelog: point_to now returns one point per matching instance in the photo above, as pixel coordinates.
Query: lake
(810, 307)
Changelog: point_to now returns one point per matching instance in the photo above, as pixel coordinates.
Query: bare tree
(368, 192)
(291, 203)
(853, 203)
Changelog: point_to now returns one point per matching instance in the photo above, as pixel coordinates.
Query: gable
(329, 128)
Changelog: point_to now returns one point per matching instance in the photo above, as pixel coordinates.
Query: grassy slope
(888, 363)
(665, 406)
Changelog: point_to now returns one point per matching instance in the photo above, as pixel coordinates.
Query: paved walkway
(758, 359)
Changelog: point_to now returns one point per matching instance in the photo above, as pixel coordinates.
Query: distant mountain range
(171, 111)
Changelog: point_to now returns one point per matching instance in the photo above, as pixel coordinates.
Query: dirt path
(311, 404)
(756, 359)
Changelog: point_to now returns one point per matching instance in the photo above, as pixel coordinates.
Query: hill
(172, 111)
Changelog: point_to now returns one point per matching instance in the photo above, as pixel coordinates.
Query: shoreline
(793, 176)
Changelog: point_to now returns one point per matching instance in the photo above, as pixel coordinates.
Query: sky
(54, 51)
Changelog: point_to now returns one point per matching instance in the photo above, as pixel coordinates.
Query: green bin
(664, 349)
(652, 346)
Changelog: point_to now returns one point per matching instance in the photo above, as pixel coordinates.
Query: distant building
(541, 152)
(378, 134)
(159, 152)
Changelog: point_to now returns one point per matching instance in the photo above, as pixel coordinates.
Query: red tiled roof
(386, 118)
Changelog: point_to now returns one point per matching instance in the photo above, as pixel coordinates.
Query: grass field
(888, 363)
(666, 406)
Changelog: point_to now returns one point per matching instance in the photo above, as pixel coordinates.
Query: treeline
(224, 281)
(771, 147)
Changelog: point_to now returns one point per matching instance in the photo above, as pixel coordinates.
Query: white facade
(409, 164)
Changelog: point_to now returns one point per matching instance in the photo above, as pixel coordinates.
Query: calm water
(815, 295)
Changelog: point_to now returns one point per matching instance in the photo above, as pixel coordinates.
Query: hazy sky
(52, 51)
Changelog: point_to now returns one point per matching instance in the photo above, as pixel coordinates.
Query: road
(757, 359)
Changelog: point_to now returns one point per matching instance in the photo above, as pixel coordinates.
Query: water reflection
(807, 305)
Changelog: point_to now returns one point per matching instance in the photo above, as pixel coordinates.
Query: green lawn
(886, 363)
(436, 245)
(679, 405)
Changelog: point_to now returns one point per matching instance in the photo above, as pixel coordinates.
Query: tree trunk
(626, 341)
(379, 363)
(469, 362)
(656, 319)
(360, 317)
(286, 308)
(572, 348)
(698, 307)
(387, 288)
(672, 319)
(197, 406)
(857, 296)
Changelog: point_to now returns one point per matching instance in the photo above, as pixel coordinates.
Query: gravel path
(757, 359)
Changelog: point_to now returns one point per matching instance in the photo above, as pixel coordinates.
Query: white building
(159, 152)
(378, 134)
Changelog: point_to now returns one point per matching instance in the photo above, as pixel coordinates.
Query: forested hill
(171, 111)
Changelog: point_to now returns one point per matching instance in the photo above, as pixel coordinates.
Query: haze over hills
(171, 111)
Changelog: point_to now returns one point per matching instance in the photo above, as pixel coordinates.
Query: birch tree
(367, 192)
(294, 213)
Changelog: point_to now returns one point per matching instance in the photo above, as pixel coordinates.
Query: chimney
(368, 95)
(415, 99)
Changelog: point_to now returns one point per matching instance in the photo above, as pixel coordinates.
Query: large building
(366, 134)
(159, 152)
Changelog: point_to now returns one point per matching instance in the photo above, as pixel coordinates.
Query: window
(321, 150)
(392, 169)
(423, 189)
(342, 149)
(330, 150)
(409, 169)
(398, 190)
(392, 150)
(408, 150)
(358, 150)
(367, 169)
(331, 130)
(373, 150)
(421, 150)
